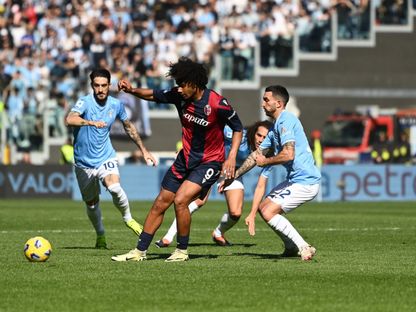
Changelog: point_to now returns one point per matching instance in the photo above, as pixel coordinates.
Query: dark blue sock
(182, 242)
(144, 241)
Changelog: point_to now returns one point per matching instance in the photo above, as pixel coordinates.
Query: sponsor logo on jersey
(197, 120)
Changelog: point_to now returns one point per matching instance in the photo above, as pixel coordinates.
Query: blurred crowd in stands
(47, 48)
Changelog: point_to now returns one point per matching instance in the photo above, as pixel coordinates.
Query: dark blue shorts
(205, 174)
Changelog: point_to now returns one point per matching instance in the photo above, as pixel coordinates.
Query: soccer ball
(37, 249)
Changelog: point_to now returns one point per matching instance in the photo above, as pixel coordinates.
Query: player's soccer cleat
(220, 240)
(162, 243)
(289, 253)
(101, 242)
(307, 253)
(178, 255)
(136, 227)
(132, 255)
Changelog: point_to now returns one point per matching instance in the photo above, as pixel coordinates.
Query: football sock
(144, 241)
(182, 242)
(120, 200)
(227, 222)
(94, 214)
(193, 207)
(280, 224)
(288, 243)
(173, 229)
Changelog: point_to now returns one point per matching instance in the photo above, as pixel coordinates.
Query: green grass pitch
(366, 261)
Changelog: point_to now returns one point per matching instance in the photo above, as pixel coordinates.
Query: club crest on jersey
(110, 113)
(207, 110)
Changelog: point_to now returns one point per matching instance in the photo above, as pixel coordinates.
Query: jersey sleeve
(80, 106)
(286, 130)
(167, 96)
(265, 171)
(122, 114)
(227, 113)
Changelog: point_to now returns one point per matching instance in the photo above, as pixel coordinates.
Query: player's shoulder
(288, 115)
(217, 99)
(113, 100)
(82, 102)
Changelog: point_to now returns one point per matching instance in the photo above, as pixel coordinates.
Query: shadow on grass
(191, 256)
(265, 256)
(83, 247)
(215, 245)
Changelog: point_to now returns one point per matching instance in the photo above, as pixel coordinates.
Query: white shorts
(291, 195)
(237, 184)
(88, 179)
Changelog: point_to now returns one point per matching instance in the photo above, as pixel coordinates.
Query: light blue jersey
(287, 128)
(92, 146)
(243, 150)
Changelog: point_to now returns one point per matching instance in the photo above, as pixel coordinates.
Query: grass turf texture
(365, 262)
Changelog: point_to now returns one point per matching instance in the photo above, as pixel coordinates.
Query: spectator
(67, 152)
(136, 157)
(381, 152)
(401, 149)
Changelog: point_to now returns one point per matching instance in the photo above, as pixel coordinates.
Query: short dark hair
(100, 72)
(188, 71)
(279, 91)
(251, 132)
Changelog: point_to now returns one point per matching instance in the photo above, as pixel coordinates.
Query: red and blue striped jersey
(203, 123)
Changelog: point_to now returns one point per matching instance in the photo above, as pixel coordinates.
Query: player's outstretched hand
(223, 183)
(150, 159)
(124, 85)
(251, 223)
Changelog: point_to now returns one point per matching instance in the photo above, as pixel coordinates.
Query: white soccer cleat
(132, 255)
(307, 252)
(178, 255)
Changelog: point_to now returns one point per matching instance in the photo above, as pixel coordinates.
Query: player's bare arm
(287, 154)
(228, 167)
(74, 119)
(132, 132)
(257, 197)
(248, 164)
(145, 94)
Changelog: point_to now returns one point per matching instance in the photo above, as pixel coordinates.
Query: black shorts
(205, 175)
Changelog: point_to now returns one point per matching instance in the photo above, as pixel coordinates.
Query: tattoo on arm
(248, 164)
(290, 148)
(82, 122)
(131, 131)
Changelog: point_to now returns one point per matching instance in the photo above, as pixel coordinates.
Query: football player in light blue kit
(292, 150)
(234, 193)
(94, 156)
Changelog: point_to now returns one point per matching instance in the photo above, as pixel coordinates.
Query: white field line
(365, 229)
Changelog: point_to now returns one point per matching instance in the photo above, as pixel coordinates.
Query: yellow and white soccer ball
(38, 249)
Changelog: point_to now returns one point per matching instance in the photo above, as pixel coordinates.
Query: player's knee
(91, 204)
(235, 215)
(263, 211)
(181, 202)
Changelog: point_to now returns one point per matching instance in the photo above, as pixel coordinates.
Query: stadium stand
(47, 49)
